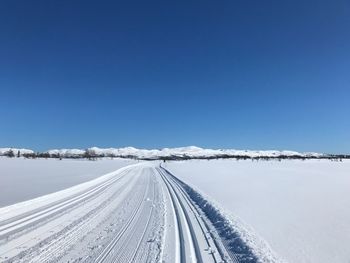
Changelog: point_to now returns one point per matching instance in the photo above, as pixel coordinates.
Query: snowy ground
(301, 208)
(22, 179)
(139, 213)
(142, 213)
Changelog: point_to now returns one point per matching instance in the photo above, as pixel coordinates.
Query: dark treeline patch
(90, 154)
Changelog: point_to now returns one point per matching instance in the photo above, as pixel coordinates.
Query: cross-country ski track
(139, 213)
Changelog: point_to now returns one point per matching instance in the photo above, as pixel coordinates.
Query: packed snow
(300, 208)
(289, 210)
(139, 213)
(23, 179)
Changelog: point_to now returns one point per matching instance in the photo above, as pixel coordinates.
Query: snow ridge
(242, 239)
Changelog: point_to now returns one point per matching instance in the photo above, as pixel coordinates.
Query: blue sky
(220, 74)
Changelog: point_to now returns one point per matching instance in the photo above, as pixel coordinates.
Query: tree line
(90, 154)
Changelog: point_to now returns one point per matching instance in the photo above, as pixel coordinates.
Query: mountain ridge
(188, 152)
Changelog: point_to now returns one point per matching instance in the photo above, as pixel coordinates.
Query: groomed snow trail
(139, 213)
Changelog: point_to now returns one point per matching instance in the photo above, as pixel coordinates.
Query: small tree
(90, 154)
(10, 153)
(18, 154)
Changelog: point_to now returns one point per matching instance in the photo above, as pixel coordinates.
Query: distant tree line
(90, 154)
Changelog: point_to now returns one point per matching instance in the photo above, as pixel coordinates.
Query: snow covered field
(301, 208)
(23, 179)
(139, 213)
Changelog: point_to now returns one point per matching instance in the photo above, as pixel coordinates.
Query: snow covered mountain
(190, 152)
(181, 152)
(4, 151)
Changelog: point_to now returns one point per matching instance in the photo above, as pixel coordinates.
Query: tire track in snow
(113, 219)
(23, 222)
(189, 252)
(24, 243)
(212, 241)
(110, 247)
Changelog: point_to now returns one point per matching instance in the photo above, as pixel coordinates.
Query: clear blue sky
(223, 74)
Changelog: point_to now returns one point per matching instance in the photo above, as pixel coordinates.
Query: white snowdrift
(22, 179)
(259, 247)
(42, 201)
(301, 208)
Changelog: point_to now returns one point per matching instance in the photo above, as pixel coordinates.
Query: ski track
(139, 213)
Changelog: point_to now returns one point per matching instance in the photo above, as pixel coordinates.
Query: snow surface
(129, 215)
(22, 179)
(301, 208)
